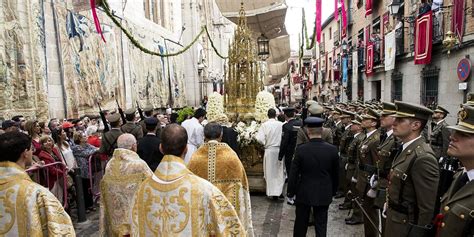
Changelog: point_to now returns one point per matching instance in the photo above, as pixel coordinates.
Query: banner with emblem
(369, 66)
(424, 38)
(344, 71)
(355, 66)
(390, 51)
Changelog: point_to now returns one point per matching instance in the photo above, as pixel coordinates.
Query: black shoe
(275, 198)
(345, 206)
(339, 195)
(354, 222)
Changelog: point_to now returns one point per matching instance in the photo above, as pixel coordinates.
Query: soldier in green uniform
(346, 138)
(439, 139)
(456, 216)
(109, 139)
(314, 110)
(131, 127)
(414, 175)
(368, 158)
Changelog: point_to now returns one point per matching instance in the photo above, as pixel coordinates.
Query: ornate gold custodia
(242, 83)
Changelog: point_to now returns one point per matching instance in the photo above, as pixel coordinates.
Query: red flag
(344, 18)
(368, 7)
(336, 10)
(369, 66)
(318, 20)
(96, 19)
(424, 38)
(457, 23)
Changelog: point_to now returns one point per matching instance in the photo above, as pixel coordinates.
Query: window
(376, 39)
(360, 87)
(330, 32)
(429, 86)
(397, 86)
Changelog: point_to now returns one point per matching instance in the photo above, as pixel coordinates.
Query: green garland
(137, 44)
(305, 30)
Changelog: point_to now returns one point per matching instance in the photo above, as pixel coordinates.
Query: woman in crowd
(33, 129)
(55, 178)
(93, 136)
(68, 128)
(64, 148)
(82, 151)
(45, 131)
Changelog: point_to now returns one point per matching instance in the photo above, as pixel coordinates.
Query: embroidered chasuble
(220, 165)
(27, 208)
(123, 174)
(175, 202)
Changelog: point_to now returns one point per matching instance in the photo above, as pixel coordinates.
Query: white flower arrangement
(263, 103)
(247, 133)
(215, 106)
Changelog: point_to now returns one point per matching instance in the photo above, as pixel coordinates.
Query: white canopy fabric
(276, 71)
(279, 49)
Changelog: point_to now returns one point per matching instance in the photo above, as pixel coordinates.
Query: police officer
(131, 127)
(109, 139)
(313, 179)
(414, 175)
(314, 110)
(457, 205)
(288, 140)
(439, 139)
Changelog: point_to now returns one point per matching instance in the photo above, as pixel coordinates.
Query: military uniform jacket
(134, 129)
(457, 208)
(288, 140)
(346, 139)
(386, 152)
(302, 136)
(419, 189)
(337, 134)
(368, 159)
(314, 173)
(353, 155)
(109, 141)
(439, 139)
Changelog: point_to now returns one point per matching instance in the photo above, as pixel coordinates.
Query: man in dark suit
(289, 135)
(313, 179)
(149, 145)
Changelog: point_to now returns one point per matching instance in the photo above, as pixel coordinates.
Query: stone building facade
(431, 84)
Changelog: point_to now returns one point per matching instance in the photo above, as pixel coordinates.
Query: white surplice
(269, 135)
(195, 132)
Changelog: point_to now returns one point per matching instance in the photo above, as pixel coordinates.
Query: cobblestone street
(270, 218)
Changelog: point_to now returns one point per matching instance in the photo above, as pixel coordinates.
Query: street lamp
(394, 7)
(263, 47)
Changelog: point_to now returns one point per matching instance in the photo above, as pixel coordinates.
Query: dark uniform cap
(114, 118)
(9, 123)
(151, 121)
(314, 122)
(357, 120)
(410, 110)
(371, 114)
(337, 111)
(315, 109)
(389, 108)
(440, 109)
(130, 111)
(466, 120)
(470, 99)
(289, 110)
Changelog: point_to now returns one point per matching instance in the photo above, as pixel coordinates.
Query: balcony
(438, 28)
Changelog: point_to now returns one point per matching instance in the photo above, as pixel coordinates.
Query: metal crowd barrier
(96, 172)
(40, 174)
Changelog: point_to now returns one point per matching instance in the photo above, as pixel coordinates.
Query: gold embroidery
(9, 212)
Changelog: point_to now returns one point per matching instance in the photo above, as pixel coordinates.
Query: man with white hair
(124, 173)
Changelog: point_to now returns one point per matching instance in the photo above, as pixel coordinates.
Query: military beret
(310, 102)
(130, 111)
(388, 108)
(113, 118)
(315, 109)
(357, 120)
(440, 109)
(151, 121)
(314, 122)
(410, 110)
(470, 99)
(466, 120)
(371, 114)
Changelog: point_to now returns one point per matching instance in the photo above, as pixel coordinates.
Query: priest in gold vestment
(123, 174)
(26, 208)
(175, 202)
(220, 165)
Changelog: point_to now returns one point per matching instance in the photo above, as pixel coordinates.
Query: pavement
(270, 218)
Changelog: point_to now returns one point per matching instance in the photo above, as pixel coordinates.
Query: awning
(279, 49)
(275, 72)
(263, 16)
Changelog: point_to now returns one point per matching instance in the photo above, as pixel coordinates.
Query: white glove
(345, 167)
(373, 181)
(384, 212)
(354, 180)
(371, 193)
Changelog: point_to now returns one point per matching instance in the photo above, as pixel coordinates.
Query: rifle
(104, 120)
(140, 112)
(124, 120)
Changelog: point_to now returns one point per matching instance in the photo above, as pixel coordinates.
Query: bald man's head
(174, 140)
(127, 141)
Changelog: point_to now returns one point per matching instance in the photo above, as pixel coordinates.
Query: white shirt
(370, 133)
(389, 133)
(440, 121)
(470, 174)
(348, 126)
(357, 134)
(269, 134)
(195, 131)
(405, 145)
